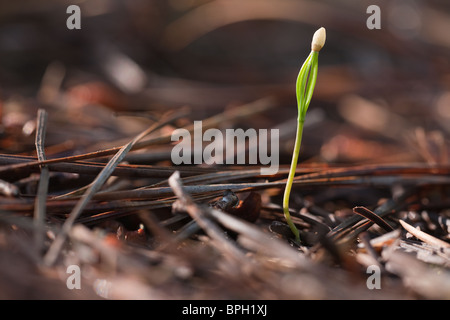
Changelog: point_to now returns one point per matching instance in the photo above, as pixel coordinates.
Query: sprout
(306, 81)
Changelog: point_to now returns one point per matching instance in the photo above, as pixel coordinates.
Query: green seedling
(306, 81)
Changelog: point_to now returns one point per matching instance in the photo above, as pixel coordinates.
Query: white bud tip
(318, 40)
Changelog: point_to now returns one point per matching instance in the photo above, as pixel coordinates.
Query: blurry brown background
(381, 96)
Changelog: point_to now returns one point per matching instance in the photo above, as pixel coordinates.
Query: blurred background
(382, 95)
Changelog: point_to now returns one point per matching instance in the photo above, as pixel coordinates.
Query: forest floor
(89, 186)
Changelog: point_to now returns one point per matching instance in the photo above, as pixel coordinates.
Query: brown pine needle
(220, 240)
(425, 237)
(106, 172)
(41, 197)
(366, 213)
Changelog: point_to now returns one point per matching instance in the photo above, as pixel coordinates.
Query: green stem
(290, 180)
